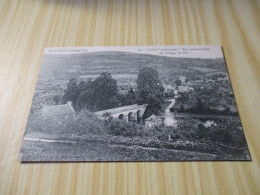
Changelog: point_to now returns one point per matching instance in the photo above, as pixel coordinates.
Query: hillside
(64, 67)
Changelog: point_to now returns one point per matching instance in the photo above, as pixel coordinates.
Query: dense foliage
(72, 92)
(209, 97)
(102, 93)
(150, 90)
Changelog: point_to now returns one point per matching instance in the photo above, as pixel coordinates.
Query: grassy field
(91, 147)
(90, 139)
(41, 151)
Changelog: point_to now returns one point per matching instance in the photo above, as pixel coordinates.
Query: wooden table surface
(28, 26)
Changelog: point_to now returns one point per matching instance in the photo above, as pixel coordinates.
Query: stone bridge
(128, 113)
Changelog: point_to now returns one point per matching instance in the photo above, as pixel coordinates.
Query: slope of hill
(64, 67)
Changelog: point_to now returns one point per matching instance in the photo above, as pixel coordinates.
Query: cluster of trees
(93, 95)
(201, 108)
(150, 90)
(102, 93)
(209, 99)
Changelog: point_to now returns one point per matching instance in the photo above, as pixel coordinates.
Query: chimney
(69, 103)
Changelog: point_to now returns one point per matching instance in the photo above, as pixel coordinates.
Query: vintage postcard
(143, 103)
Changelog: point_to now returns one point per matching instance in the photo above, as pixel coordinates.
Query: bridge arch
(128, 113)
(121, 117)
(131, 117)
(139, 116)
(139, 113)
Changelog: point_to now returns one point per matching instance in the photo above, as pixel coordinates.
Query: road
(170, 120)
(46, 140)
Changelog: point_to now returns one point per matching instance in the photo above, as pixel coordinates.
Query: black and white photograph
(134, 103)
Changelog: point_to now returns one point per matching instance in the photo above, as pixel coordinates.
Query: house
(59, 113)
(226, 79)
(182, 79)
(181, 107)
(233, 108)
(153, 121)
(175, 92)
(184, 89)
(220, 79)
(219, 108)
(199, 81)
(210, 81)
(197, 85)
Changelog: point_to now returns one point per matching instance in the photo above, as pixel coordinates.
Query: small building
(184, 89)
(59, 113)
(219, 108)
(198, 81)
(220, 79)
(153, 121)
(175, 92)
(182, 79)
(197, 85)
(226, 79)
(169, 89)
(210, 81)
(233, 108)
(181, 107)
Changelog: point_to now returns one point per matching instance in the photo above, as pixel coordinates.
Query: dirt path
(170, 120)
(171, 105)
(47, 140)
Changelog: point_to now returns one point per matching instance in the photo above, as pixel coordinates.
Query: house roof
(219, 107)
(57, 110)
(153, 117)
(183, 87)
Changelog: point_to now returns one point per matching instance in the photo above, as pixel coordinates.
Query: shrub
(106, 114)
(87, 122)
(121, 127)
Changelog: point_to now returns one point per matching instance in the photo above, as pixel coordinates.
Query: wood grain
(28, 26)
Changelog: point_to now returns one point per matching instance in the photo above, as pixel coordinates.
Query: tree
(100, 94)
(200, 107)
(72, 92)
(178, 82)
(131, 93)
(105, 91)
(83, 85)
(85, 99)
(150, 89)
(56, 99)
(130, 97)
(85, 96)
